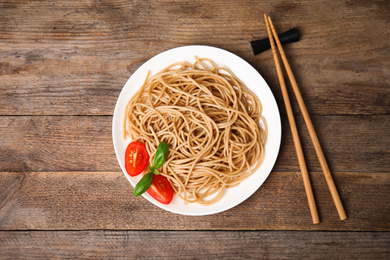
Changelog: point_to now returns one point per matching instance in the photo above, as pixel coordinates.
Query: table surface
(62, 192)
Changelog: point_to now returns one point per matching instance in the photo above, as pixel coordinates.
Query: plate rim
(137, 79)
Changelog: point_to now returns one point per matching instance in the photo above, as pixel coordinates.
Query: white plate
(251, 78)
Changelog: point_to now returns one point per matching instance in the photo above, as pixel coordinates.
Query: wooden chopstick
(309, 125)
(294, 131)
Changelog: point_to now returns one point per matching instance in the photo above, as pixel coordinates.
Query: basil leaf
(144, 184)
(151, 168)
(156, 172)
(161, 155)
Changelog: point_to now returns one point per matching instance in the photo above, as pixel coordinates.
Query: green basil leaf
(161, 155)
(156, 172)
(144, 184)
(151, 168)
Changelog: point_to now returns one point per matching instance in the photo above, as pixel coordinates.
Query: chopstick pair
(302, 164)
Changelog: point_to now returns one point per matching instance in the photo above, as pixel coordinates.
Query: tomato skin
(136, 158)
(161, 190)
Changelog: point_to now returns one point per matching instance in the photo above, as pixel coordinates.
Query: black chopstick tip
(289, 36)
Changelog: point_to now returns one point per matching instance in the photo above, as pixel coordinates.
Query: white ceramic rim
(250, 77)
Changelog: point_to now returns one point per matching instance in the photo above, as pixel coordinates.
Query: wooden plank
(187, 245)
(84, 143)
(57, 143)
(103, 200)
(73, 58)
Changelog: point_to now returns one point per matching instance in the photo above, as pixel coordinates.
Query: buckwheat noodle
(211, 121)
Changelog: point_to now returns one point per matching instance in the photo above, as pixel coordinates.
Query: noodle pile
(211, 122)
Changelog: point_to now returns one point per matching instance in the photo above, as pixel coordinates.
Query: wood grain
(181, 244)
(83, 143)
(103, 200)
(73, 58)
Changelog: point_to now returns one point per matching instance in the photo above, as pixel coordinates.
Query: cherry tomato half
(161, 189)
(136, 158)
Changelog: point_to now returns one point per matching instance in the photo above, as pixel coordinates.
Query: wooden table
(62, 192)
